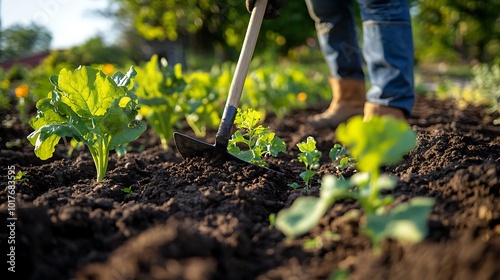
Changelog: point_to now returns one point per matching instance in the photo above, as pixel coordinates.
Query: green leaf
(248, 120)
(161, 97)
(248, 156)
(333, 188)
(303, 215)
(259, 141)
(309, 155)
(306, 212)
(336, 152)
(127, 134)
(381, 140)
(272, 144)
(308, 146)
(307, 175)
(125, 80)
(88, 91)
(50, 126)
(406, 222)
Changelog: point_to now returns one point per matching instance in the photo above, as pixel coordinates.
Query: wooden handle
(246, 53)
(240, 74)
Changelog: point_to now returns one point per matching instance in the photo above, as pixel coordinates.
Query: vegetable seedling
(20, 177)
(128, 190)
(373, 143)
(159, 89)
(340, 156)
(258, 140)
(310, 156)
(94, 109)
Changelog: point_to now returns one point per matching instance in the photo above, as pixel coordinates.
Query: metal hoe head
(190, 147)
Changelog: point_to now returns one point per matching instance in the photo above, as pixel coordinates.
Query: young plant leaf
(306, 211)
(303, 215)
(257, 140)
(407, 222)
(379, 141)
(310, 156)
(159, 91)
(376, 142)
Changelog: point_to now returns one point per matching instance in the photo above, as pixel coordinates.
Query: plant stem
(163, 128)
(374, 190)
(100, 155)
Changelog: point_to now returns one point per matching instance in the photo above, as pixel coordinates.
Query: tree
(211, 26)
(92, 51)
(19, 40)
(466, 27)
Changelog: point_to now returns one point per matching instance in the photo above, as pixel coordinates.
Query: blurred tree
(210, 26)
(93, 51)
(469, 28)
(23, 40)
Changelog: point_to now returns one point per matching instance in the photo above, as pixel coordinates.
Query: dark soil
(201, 219)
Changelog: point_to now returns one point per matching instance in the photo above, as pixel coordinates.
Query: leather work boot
(348, 100)
(372, 109)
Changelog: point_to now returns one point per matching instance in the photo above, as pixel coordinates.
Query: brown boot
(348, 101)
(372, 109)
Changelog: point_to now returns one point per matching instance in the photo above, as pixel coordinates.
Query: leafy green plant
(279, 89)
(310, 156)
(379, 141)
(486, 81)
(339, 274)
(94, 109)
(340, 155)
(318, 241)
(128, 190)
(482, 91)
(158, 88)
(258, 140)
(203, 97)
(20, 177)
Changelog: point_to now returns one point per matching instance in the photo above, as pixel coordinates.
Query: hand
(272, 8)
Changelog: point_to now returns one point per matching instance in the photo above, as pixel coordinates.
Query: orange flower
(22, 91)
(108, 69)
(302, 96)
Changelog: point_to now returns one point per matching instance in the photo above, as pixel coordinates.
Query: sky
(71, 22)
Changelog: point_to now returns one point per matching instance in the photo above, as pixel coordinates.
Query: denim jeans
(387, 46)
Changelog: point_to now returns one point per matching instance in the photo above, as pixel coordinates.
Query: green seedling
(94, 109)
(339, 274)
(317, 242)
(203, 96)
(20, 177)
(373, 143)
(340, 156)
(257, 140)
(272, 220)
(159, 89)
(128, 190)
(310, 156)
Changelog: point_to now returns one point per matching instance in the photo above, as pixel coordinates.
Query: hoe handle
(240, 74)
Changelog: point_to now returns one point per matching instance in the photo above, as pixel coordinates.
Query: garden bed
(200, 219)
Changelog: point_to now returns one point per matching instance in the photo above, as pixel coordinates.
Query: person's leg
(335, 25)
(388, 52)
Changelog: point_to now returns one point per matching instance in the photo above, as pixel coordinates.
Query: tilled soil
(203, 219)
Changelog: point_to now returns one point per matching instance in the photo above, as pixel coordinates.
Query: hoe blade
(190, 147)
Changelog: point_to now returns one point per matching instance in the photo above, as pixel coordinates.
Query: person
(387, 51)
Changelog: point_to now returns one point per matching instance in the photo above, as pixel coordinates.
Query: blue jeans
(387, 46)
